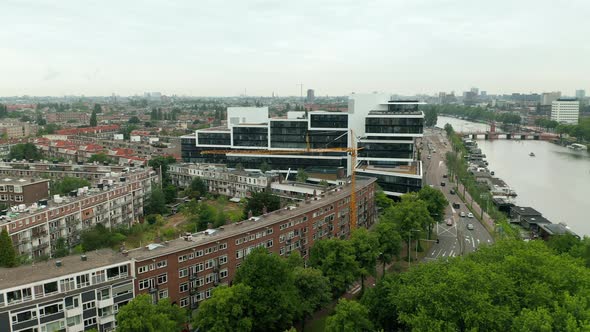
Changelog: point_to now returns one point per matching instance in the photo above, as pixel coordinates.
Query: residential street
(457, 239)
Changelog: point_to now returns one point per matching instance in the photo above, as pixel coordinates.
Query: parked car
(470, 227)
(456, 205)
(449, 222)
(445, 176)
(470, 215)
(428, 157)
(442, 184)
(462, 214)
(452, 191)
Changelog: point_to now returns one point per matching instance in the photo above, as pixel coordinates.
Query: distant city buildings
(580, 94)
(12, 128)
(547, 98)
(310, 96)
(566, 110)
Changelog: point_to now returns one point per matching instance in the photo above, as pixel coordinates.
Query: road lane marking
(451, 253)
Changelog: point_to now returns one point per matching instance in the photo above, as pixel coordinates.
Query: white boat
(577, 147)
(531, 154)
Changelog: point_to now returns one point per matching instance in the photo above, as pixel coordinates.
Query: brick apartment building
(78, 293)
(186, 270)
(57, 171)
(15, 191)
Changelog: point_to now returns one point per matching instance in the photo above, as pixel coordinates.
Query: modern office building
(565, 110)
(73, 294)
(383, 129)
(580, 94)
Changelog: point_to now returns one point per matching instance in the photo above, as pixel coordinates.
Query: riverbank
(552, 181)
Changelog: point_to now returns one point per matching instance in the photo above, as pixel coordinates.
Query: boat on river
(531, 154)
(577, 147)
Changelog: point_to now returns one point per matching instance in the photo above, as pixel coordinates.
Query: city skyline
(418, 47)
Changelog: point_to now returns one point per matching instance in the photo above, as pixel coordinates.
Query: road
(456, 239)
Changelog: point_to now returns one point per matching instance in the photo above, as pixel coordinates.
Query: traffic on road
(460, 232)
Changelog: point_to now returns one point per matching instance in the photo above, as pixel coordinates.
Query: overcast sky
(221, 47)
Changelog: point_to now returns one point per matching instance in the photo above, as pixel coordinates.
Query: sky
(228, 48)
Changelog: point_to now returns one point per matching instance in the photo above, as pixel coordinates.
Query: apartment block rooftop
(243, 227)
(26, 274)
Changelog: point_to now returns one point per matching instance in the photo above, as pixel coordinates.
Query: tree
(336, 259)
(61, 248)
(507, 286)
(430, 117)
(141, 315)
(25, 151)
(273, 296)
(436, 203)
(349, 316)
(390, 242)
(226, 310)
(170, 193)
(100, 237)
(161, 163)
(313, 291)
(197, 188)
(134, 120)
(68, 184)
(302, 176)
(100, 157)
(157, 202)
(259, 201)
(264, 167)
(7, 252)
(381, 200)
(366, 251)
(93, 119)
(97, 108)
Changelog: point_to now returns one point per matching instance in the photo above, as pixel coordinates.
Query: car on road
(445, 176)
(456, 205)
(470, 215)
(449, 222)
(452, 191)
(428, 157)
(462, 214)
(470, 227)
(442, 184)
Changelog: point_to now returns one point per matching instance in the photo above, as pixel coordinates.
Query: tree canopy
(67, 184)
(24, 151)
(336, 259)
(141, 315)
(349, 316)
(7, 252)
(273, 298)
(259, 200)
(505, 287)
(226, 310)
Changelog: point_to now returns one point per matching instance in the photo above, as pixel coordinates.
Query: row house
(221, 180)
(115, 202)
(57, 171)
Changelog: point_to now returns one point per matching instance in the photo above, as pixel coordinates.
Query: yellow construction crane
(353, 155)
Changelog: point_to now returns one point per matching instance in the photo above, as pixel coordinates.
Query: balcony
(105, 302)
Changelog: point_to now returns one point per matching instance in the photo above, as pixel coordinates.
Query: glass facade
(331, 139)
(409, 107)
(397, 184)
(250, 136)
(288, 134)
(394, 125)
(328, 121)
(188, 149)
(206, 138)
(386, 150)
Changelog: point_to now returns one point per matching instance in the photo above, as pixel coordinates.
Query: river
(556, 182)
